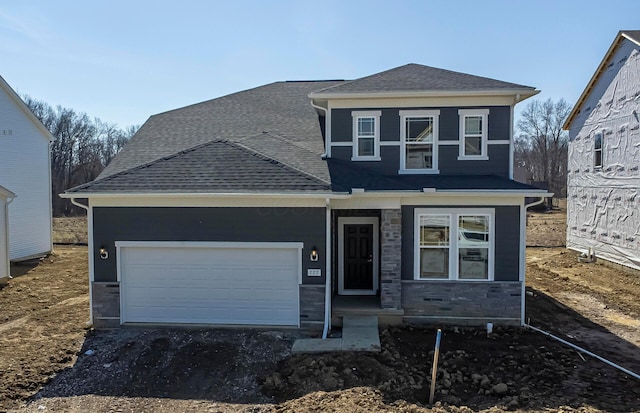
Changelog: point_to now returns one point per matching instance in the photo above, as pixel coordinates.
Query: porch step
(359, 333)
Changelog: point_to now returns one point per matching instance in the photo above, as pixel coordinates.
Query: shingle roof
(414, 77)
(269, 139)
(282, 109)
(346, 175)
(213, 167)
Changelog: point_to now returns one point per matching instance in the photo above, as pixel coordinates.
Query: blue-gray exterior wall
(269, 224)
(507, 242)
(499, 124)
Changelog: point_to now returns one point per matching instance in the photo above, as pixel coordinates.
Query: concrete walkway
(359, 333)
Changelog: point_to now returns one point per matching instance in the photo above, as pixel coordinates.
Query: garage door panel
(210, 285)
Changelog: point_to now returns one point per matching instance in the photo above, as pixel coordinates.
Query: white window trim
(375, 114)
(598, 167)
(453, 244)
(404, 115)
(463, 113)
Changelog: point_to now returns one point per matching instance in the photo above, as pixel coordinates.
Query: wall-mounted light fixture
(314, 254)
(104, 254)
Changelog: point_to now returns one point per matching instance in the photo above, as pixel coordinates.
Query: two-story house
(291, 203)
(603, 181)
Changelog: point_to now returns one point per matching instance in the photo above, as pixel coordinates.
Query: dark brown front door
(358, 257)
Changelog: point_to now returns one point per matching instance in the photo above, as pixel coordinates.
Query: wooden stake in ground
(434, 369)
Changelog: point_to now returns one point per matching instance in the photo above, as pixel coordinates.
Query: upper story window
(419, 141)
(366, 135)
(454, 244)
(473, 134)
(597, 150)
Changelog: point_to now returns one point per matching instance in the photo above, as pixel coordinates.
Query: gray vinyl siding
(449, 124)
(507, 242)
(498, 163)
(306, 225)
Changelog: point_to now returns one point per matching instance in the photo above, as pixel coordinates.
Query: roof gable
(214, 167)
(418, 78)
(25, 109)
(631, 35)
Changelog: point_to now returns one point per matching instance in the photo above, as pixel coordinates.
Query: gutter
(89, 251)
(10, 197)
(324, 195)
(327, 144)
(523, 254)
(524, 93)
(327, 271)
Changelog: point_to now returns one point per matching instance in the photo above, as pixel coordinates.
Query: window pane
(473, 125)
(419, 156)
(366, 126)
(597, 141)
(473, 230)
(419, 130)
(598, 158)
(434, 263)
(434, 230)
(473, 263)
(366, 147)
(473, 146)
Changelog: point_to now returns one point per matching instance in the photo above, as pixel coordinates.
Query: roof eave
(160, 194)
(23, 106)
(520, 93)
(596, 75)
(319, 194)
(5, 193)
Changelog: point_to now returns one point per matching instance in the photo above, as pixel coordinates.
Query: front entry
(358, 255)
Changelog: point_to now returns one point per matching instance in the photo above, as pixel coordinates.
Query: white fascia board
(454, 192)
(5, 193)
(322, 195)
(23, 106)
(524, 94)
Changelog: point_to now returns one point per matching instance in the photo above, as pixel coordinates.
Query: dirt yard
(51, 361)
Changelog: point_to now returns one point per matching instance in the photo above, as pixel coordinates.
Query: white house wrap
(603, 205)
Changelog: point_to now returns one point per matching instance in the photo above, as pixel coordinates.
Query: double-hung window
(454, 244)
(473, 134)
(597, 150)
(419, 141)
(366, 135)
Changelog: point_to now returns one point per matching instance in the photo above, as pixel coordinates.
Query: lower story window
(454, 244)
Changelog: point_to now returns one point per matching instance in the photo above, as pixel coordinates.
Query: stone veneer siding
(106, 304)
(390, 258)
(312, 306)
(462, 303)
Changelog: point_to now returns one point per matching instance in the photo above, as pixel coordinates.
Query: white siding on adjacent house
(24, 167)
(603, 204)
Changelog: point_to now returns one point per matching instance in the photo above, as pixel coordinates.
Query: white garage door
(210, 283)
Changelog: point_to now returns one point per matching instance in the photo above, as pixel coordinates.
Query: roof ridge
(145, 165)
(449, 71)
(297, 145)
(346, 82)
(286, 165)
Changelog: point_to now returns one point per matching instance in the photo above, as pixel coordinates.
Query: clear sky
(123, 61)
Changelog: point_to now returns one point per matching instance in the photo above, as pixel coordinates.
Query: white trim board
(376, 253)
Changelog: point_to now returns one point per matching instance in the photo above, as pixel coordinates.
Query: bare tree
(541, 146)
(82, 149)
